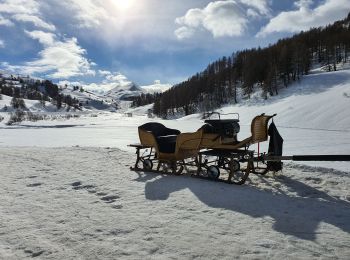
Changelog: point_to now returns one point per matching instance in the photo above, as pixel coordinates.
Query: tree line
(269, 69)
(144, 99)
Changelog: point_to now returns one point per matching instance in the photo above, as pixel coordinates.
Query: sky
(101, 43)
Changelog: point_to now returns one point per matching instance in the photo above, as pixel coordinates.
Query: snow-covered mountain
(108, 96)
(123, 92)
(156, 87)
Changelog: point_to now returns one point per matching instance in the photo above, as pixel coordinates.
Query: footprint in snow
(117, 206)
(110, 198)
(101, 194)
(34, 184)
(78, 186)
(91, 189)
(34, 254)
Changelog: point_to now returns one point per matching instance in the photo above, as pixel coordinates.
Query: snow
(85, 203)
(31, 105)
(157, 87)
(312, 117)
(67, 191)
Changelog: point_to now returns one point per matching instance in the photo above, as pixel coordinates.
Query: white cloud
(260, 6)
(38, 22)
(6, 22)
(89, 13)
(304, 17)
(111, 81)
(104, 72)
(2, 44)
(25, 11)
(184, 32)
(193, 17)
(118, 78)
(221, 18)
(45, 38)
(64, 59)
(59, 58)
(19, 7)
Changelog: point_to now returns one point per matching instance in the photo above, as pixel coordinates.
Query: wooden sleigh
(213, 153)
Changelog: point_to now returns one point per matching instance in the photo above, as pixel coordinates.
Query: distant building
(128, 114)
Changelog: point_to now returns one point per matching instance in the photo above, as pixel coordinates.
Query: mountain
(42, 95)
(157, 87)
(124, 92)
(75, 95)
(130, 90)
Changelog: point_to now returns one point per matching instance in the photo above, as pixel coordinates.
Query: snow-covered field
(67, 191)
(85, 203)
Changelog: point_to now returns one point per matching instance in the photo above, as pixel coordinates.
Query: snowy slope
(319, 101)
(31, 105)
(122, 92)
(91, 101)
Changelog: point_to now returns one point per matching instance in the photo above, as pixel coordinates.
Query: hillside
(268, 70)
(70, 96)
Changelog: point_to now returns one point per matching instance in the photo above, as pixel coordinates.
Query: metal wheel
(235, 165)
(147, 164)
(238, 176)
(213, 172)
(178, 169)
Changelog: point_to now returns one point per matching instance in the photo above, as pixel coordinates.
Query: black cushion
(159, 129)
(166, 144)
(165, 137)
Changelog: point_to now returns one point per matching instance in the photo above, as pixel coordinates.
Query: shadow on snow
(297, 216)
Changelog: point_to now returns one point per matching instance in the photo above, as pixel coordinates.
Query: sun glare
(123, 5)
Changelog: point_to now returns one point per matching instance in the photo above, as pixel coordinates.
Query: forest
(270, 69)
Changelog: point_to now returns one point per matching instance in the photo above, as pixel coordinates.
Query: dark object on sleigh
(275, 148)
(226, 128)
(162, 136)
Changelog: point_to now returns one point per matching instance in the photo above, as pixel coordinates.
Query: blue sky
(107, 42)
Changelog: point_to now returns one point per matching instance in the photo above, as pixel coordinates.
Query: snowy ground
(84, 203)
(67, 191)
